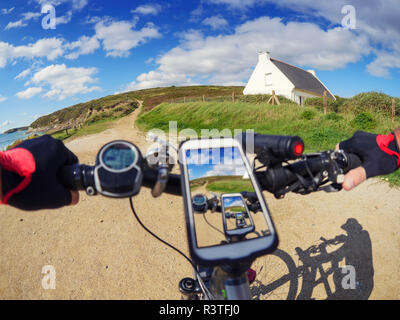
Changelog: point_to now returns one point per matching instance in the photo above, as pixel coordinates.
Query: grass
(230, 186)
(319, 131)
(88, 129)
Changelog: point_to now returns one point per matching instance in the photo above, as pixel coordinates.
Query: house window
(268, 79)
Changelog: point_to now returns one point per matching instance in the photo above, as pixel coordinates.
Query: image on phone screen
(221, 173)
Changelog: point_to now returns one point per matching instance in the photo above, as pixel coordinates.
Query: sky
(78, 50)
(212, 162)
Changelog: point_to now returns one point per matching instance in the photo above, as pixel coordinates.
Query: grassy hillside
(319, 131)
(118, 105)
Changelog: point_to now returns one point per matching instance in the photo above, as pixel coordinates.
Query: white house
(286, 80)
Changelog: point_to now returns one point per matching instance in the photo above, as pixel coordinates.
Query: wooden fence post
(274, 99)
(393, 110)
(184, 99)
(325, 102)
(233, 96)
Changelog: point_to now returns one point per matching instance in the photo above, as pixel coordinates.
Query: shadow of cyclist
(354, 280)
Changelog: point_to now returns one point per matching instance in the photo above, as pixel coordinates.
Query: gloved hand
(29, 175)
(379, 155)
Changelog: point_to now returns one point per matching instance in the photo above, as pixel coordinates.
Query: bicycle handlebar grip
(285, 147)
(71, 177)
(353, 161)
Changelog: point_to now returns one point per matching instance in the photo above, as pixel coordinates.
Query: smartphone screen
(220, 173)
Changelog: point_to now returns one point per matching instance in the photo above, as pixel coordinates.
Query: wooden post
(204, 98)
(184, 99)
(271, 99)
(274, 99)
(66, 131)
(393, 110)
(325, 102)
(233, 96)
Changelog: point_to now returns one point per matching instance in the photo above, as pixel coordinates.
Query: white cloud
(237, 4)
(215, 22)
(118, 38)
(31, 16)
(23, 74)
(63, 82)
(50, 48)
(2, 99)
(378, 20)
(7, 11)
(75, 4)
(383, 63)
(148, 9)
(84, 45)
(5, 123)
(228, 59)
(16, 24)
(22, 22)
(29, 93)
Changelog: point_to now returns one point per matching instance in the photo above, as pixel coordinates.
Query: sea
(9, 138)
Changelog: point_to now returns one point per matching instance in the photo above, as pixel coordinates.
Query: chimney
(263, 55)
(312, 72)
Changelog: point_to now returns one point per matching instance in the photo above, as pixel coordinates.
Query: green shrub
(333, 116)
(307, 114)
(371, 102)
(332, 105)
(364, 121)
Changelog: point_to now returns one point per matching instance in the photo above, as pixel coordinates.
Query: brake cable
(203, 287)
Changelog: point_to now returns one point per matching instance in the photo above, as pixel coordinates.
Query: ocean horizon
(7, 139)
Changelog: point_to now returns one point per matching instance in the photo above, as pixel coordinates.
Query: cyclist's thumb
(353, 178)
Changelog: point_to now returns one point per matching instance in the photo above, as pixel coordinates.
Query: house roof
(302, 80)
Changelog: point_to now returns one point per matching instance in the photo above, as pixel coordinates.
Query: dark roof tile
(302, 80)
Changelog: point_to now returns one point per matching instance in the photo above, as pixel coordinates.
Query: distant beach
(7, 139)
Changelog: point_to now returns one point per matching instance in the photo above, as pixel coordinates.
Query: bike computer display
(118, 170)
(199, 203)
(233, 232)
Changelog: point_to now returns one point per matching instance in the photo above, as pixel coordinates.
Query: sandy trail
(100, 252)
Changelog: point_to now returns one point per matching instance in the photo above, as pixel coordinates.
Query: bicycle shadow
(350, 267)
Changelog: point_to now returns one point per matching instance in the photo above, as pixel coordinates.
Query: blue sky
(213, 162)
(99, 48)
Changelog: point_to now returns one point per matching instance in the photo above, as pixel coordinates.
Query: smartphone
(232, 233)
(237, 220)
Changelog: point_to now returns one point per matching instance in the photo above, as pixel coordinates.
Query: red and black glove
(29, 174)
(379, 153)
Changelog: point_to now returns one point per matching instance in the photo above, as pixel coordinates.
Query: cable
(215, 228)
(205, 290)
(158, 238)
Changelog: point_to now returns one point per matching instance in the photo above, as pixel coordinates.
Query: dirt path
(100, 252)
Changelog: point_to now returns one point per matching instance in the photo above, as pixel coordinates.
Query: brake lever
(333, 187)
(161, 183)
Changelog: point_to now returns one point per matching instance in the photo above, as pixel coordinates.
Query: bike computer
(118, 172)
(219, 166)
(200, 203)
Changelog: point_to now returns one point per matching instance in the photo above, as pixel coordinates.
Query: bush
(364, 121)
(307, 114)
(333, 116)
(371, 102)
(332, 105)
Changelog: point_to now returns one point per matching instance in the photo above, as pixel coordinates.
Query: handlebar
(303, 176)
